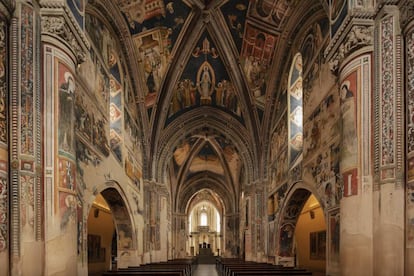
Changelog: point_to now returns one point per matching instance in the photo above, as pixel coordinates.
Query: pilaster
(407, 26)
(5, 16)
(388, 197)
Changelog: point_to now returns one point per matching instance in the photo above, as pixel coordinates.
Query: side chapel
(139, 131)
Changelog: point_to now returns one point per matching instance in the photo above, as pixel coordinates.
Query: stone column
(63, 48)
(4, 136)
(407, 25)
(349, 251)
(389, 196)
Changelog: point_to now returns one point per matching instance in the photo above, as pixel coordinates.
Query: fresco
(235, 13)
(325, 119)
(66, 92)
(68, 209)
(207, 159)
(77, 8)
(132, 135)
(279, 137)
(204, 82)
(98, 34)
(90, 127)
(287, 232)
(133, 170)
(323, 173)
(279, 169)
(338, 10)
(272, 12)
(155, 26)
(256, 58)
(27, 211)
(67, 174)
(349, 153)
(311, 57)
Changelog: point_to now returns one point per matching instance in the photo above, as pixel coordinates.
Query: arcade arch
(111, 234)
(302, 232)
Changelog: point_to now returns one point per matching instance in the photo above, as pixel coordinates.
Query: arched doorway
(205, 223)
(302, 231)
(111, 235)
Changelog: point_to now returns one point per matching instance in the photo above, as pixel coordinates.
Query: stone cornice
(356, 35)
(58, 22)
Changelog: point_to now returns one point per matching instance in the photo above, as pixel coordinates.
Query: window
(203, 219)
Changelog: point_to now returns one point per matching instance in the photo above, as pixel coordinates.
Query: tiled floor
(205, 270)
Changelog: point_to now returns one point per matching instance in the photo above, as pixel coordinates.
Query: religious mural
(256, 57)
(77, 8)
(66, 91)
(132, 135)
(133, 170)
(204, 82)
(90, 127)
(235, 14)
(349, 89)
(338, 10)
(286, 240)
(271, 12)
(155, 26)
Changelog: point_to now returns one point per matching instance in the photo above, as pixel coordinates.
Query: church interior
(135, 132)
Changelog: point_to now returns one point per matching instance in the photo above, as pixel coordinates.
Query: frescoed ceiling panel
(234, 13)
(155, 26)
(204, 81)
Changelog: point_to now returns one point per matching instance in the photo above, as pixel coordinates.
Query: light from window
(203, 219)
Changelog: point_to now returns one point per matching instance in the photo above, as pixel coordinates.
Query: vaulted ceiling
(209, 80)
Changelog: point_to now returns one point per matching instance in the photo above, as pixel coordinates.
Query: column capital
(59, 26)
(355, 37)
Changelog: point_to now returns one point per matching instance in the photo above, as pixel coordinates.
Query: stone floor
(205, 270)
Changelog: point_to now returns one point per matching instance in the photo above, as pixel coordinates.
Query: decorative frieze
(58, 26)
(359, 36)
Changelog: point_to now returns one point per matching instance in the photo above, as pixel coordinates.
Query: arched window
(295, 109)
(203, 218)
(218, 222)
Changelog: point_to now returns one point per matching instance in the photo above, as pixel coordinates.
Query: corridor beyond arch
(302, 232)
(111, 237)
